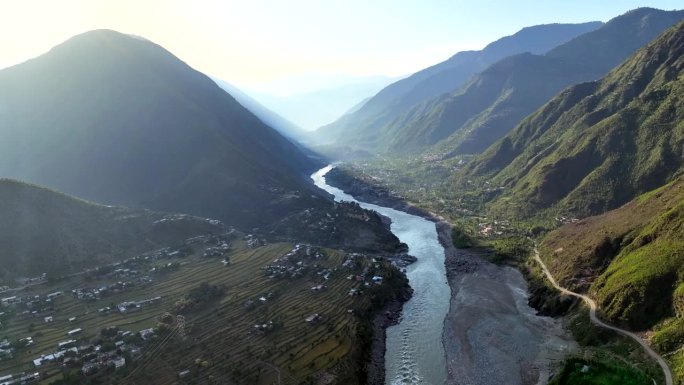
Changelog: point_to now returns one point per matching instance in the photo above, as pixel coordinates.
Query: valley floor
(491, 334)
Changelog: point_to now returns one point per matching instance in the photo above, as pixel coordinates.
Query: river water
(415, 352)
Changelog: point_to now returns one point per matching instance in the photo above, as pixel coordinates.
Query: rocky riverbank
(491, 334)
(390, 313)
(382, 320)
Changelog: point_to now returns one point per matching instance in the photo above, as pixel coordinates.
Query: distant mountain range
(316, 108)
(270, 118)
(494, 101)
(361, 128)
(598, 144)
(43, 231)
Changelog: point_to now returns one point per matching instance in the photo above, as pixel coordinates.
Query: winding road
(597, 321)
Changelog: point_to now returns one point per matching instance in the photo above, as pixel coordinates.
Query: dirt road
(597, 321)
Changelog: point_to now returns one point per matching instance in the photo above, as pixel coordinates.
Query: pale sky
(259, 42)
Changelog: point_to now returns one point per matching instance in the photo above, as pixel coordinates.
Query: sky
(270, 45)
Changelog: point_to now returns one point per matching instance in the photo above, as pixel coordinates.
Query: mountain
(45, 231)
(314, 108)
(494, 101)
(630, 259)
(361, 127)
(270, 118)
(596, 145)
(119, 120)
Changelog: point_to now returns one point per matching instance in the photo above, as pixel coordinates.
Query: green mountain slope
(497, 99)
(361, 127)
(45, 231)
(596, 145)
(631, 259)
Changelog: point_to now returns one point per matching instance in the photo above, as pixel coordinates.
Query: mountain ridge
(362, 125)
(269, 117)
(495, 100)
(43, 230)
(596, 145)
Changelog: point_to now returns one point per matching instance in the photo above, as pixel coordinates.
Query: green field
(577, 371)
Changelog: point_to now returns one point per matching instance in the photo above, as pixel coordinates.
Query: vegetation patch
(669, 335)
(199, 296)
(461, 238)
(578, 371)
(512, 248)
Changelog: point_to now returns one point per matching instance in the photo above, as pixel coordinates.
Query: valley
(359, 210)
(627, 259)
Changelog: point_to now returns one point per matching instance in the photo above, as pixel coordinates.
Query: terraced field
(219, 342)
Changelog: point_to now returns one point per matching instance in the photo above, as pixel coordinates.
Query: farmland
(291, 321)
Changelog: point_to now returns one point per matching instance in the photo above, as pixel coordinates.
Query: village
(494, 228)
(89, 351)
(110, 349)
(75, 324)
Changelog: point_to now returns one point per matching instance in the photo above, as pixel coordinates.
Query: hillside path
(597, 321)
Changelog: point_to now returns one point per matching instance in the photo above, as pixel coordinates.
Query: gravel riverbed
(491, 335)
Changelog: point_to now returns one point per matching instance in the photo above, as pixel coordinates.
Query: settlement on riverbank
(490, 334)
(414, 351)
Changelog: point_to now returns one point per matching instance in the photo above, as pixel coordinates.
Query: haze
(275, 46)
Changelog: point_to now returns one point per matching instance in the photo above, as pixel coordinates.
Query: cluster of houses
(253, 241)
(133, 306)
(103, 360)
(366, 276)
(10, 301)
(92, 358)
(313, 319)
(217, 245)
(249, 304)
(6, 350)
(127, 274)
(210, 239)
(298, 261)
(170, 218)
(32, 305)
(97, 293)
(33, 281)
(264, 327)
(364, 279)
(562, 220)
(494, 228)
(65, 348)
(19, 378)
(217, 251)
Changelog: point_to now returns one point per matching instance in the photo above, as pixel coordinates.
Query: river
(415, 352)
